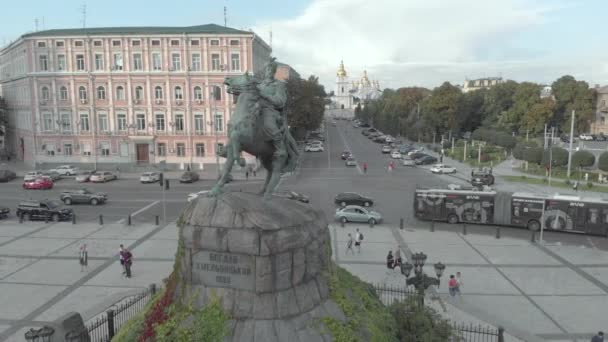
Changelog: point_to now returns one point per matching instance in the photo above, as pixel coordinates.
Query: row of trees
(510, 107)
(305, 104)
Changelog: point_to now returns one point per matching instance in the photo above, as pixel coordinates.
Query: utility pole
(551, 157)
(452, 145)
(544, 137)
(479, 154)
(464, 155)
(527, 135)
(570, 148)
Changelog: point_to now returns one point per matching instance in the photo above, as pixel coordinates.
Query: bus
(588, 215)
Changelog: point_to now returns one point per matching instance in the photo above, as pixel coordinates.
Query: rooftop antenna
(270, 39)
(84, 15)
(225, 16)
(36, 24)
(43, 26)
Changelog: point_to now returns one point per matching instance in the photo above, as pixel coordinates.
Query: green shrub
(505, 140)
(590, 185)
(417, 322)
(602, 163)
(545, 180)
(567, 182)
(558, 155)
(583, 159)
(533, 155)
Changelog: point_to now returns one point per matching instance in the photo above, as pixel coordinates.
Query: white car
(386, 149)
(407, 161)
(66, 170)
(314, 148)
(441, 168)
(30, 176)
(350, 161)
(396, 155)
(149, 177)
(586, 136)
(389, 139)
(191, 197)
(102, 177)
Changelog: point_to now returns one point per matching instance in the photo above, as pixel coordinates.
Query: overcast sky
(399, 42)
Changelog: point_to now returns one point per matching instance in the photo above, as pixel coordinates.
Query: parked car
(426, 160)
(600, 137)
(84, 176)
(66, 170)
(364, 124)
(314, 148)
(83, 196)
(441, 168)
(407, 161)
(566, 138)
(380, 139)
(7, 176)
(4, 211)
(40, 183)
(395, 154)
(43, 210)
(31, 175)
(405, 149)
(54, 175)
(586, 137)
(353, 198)
(102, 177)
(149, 177)
(355, 213)
(481, 177)
(416, 155)
(386, 149)
(192, 196)
(389, 139)
(350, 161)
(345, 155)
(292, 195)
(189, 177)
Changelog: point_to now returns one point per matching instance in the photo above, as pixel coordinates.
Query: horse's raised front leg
(268, 176)
(277, 165)
(230, 158)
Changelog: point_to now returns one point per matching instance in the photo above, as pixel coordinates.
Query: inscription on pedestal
(223, 270)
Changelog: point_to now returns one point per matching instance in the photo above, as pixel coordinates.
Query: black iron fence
(104, 327)
(461, 332)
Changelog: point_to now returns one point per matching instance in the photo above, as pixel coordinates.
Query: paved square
(12, 303)
(96, 247)
(67, 230)
(50, 271)
(35, 246)
(163, 249)
(9, 265)
(515, 254)
(576, 316)
(550, 281)
(144, 274)
(17, 229)
(580, 255)
(122, 231)
(170, 232)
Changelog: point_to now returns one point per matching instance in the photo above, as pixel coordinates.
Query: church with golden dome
(348, 94)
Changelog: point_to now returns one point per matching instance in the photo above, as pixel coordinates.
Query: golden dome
(341, 71)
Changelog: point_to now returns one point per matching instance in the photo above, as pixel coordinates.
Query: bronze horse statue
(246, 132)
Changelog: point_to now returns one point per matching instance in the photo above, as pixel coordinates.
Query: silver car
(355, 213)
(83, 176)
(102, 177)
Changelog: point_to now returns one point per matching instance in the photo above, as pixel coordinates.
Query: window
(118, 61)
(155, 42)
(199, 123)
(121, 121)
(196, 62)
(101, 93)
(219, 147)
(82, 93)
(158, 93)
(116, 43)
(78, 43)
(176, 62)
(60, 62)
(120, 93)
(216, 93)
(63, 93)
(97, 43)
(200, 150)
(50, 149)
(105, 148)
(47, 122)
(43, 62)
(102, 122)
(198, 93)
(141, 122)
(98, 61)
(66, 122)
(137, 62)
(179, 94)
(179, 122)
(157, 62)
(218, 122)
(59, 44)
(161, 149)
(45, 93)
(215, 42)
(139, 93)
(84, 122)
(215, 61)
(174, 42)
(180, 149)
(235, 62)
(195, 42)
(160, 122)
(80, 62)
(86, 149)
(234, 42)
(67, 149)
(136, 42)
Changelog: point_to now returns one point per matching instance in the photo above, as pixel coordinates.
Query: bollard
(157, 220)
(100, 220)
(433, 225)
(73, 218)
(401, 223)
(464, 229)
(533, 238)
(110, 316)
(152, 289)
(498, 232)
(501, 334)
(129, 220)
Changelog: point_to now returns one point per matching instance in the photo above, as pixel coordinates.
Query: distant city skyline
(400, 43)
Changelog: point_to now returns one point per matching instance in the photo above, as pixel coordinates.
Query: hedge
(583, 159)
(603, 162)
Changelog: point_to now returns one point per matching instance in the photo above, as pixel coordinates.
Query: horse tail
(292, 153)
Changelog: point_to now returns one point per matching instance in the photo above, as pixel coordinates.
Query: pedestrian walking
(247, 175)
(83, 258)
(398, 259)
(121, 258)
(598, 338)
(358, 239)
(128, 261)
(365, 167)
(390, 260)
(452, 285)
(254, 173)
(575, 186)
(349, 244)
(441, 158)
(459, 281)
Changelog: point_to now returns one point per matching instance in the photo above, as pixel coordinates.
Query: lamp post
(420, 280)
(217, 156)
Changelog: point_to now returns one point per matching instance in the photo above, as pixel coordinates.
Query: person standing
(247, 175)
(398, 259)
(598, 338)
(358, 239)
(128, 261)
(121, 258)
(459, 282)
(83, 258)
(452, 285)
(365, 167)
(390, 260)
(349, 244)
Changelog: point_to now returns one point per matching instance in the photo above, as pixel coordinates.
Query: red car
(39, 183)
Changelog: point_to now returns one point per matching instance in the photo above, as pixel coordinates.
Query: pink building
(124, 95)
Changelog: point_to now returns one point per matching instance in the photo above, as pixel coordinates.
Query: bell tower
(343, 96)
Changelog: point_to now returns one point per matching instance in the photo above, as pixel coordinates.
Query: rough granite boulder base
(267, 260)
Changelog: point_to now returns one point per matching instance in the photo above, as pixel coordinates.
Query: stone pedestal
(266, 259)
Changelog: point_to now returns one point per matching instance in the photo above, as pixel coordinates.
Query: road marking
(140, 211)
(348, 147)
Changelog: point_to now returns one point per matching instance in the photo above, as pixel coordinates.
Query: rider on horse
(273, 97)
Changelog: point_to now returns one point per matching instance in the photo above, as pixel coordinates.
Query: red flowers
(157, 315)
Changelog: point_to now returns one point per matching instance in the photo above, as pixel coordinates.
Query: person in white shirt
(358, 238)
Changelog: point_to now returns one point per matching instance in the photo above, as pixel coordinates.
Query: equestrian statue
(258, 126)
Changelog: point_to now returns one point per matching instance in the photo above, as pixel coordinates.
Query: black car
(566, 138)
(481, 177)
(353, 198)
(345, 155)
(7, 175)
(43, 210)
(364, 124)
(417, 155)
(600, 137)
(4, 211)
(380, 139)
(85, 196)
(189, 177)
(425, 160)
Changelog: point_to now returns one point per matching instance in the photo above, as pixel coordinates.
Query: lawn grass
(555, 183)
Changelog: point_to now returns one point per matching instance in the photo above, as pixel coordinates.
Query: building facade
(480, 83)
(600, 124)
(343, 99)
(347, 93)
(140, 95)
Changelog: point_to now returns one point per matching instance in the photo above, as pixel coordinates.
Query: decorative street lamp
(40, 335)
(420, 280)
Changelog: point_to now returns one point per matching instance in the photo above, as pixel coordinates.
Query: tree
(305, 103)
(505, 140)
(538, 115)
(497, 100)
(526, 95)
(583, 158)
(533, 155)
(602, 163)
(571, 94)
(441, 109)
